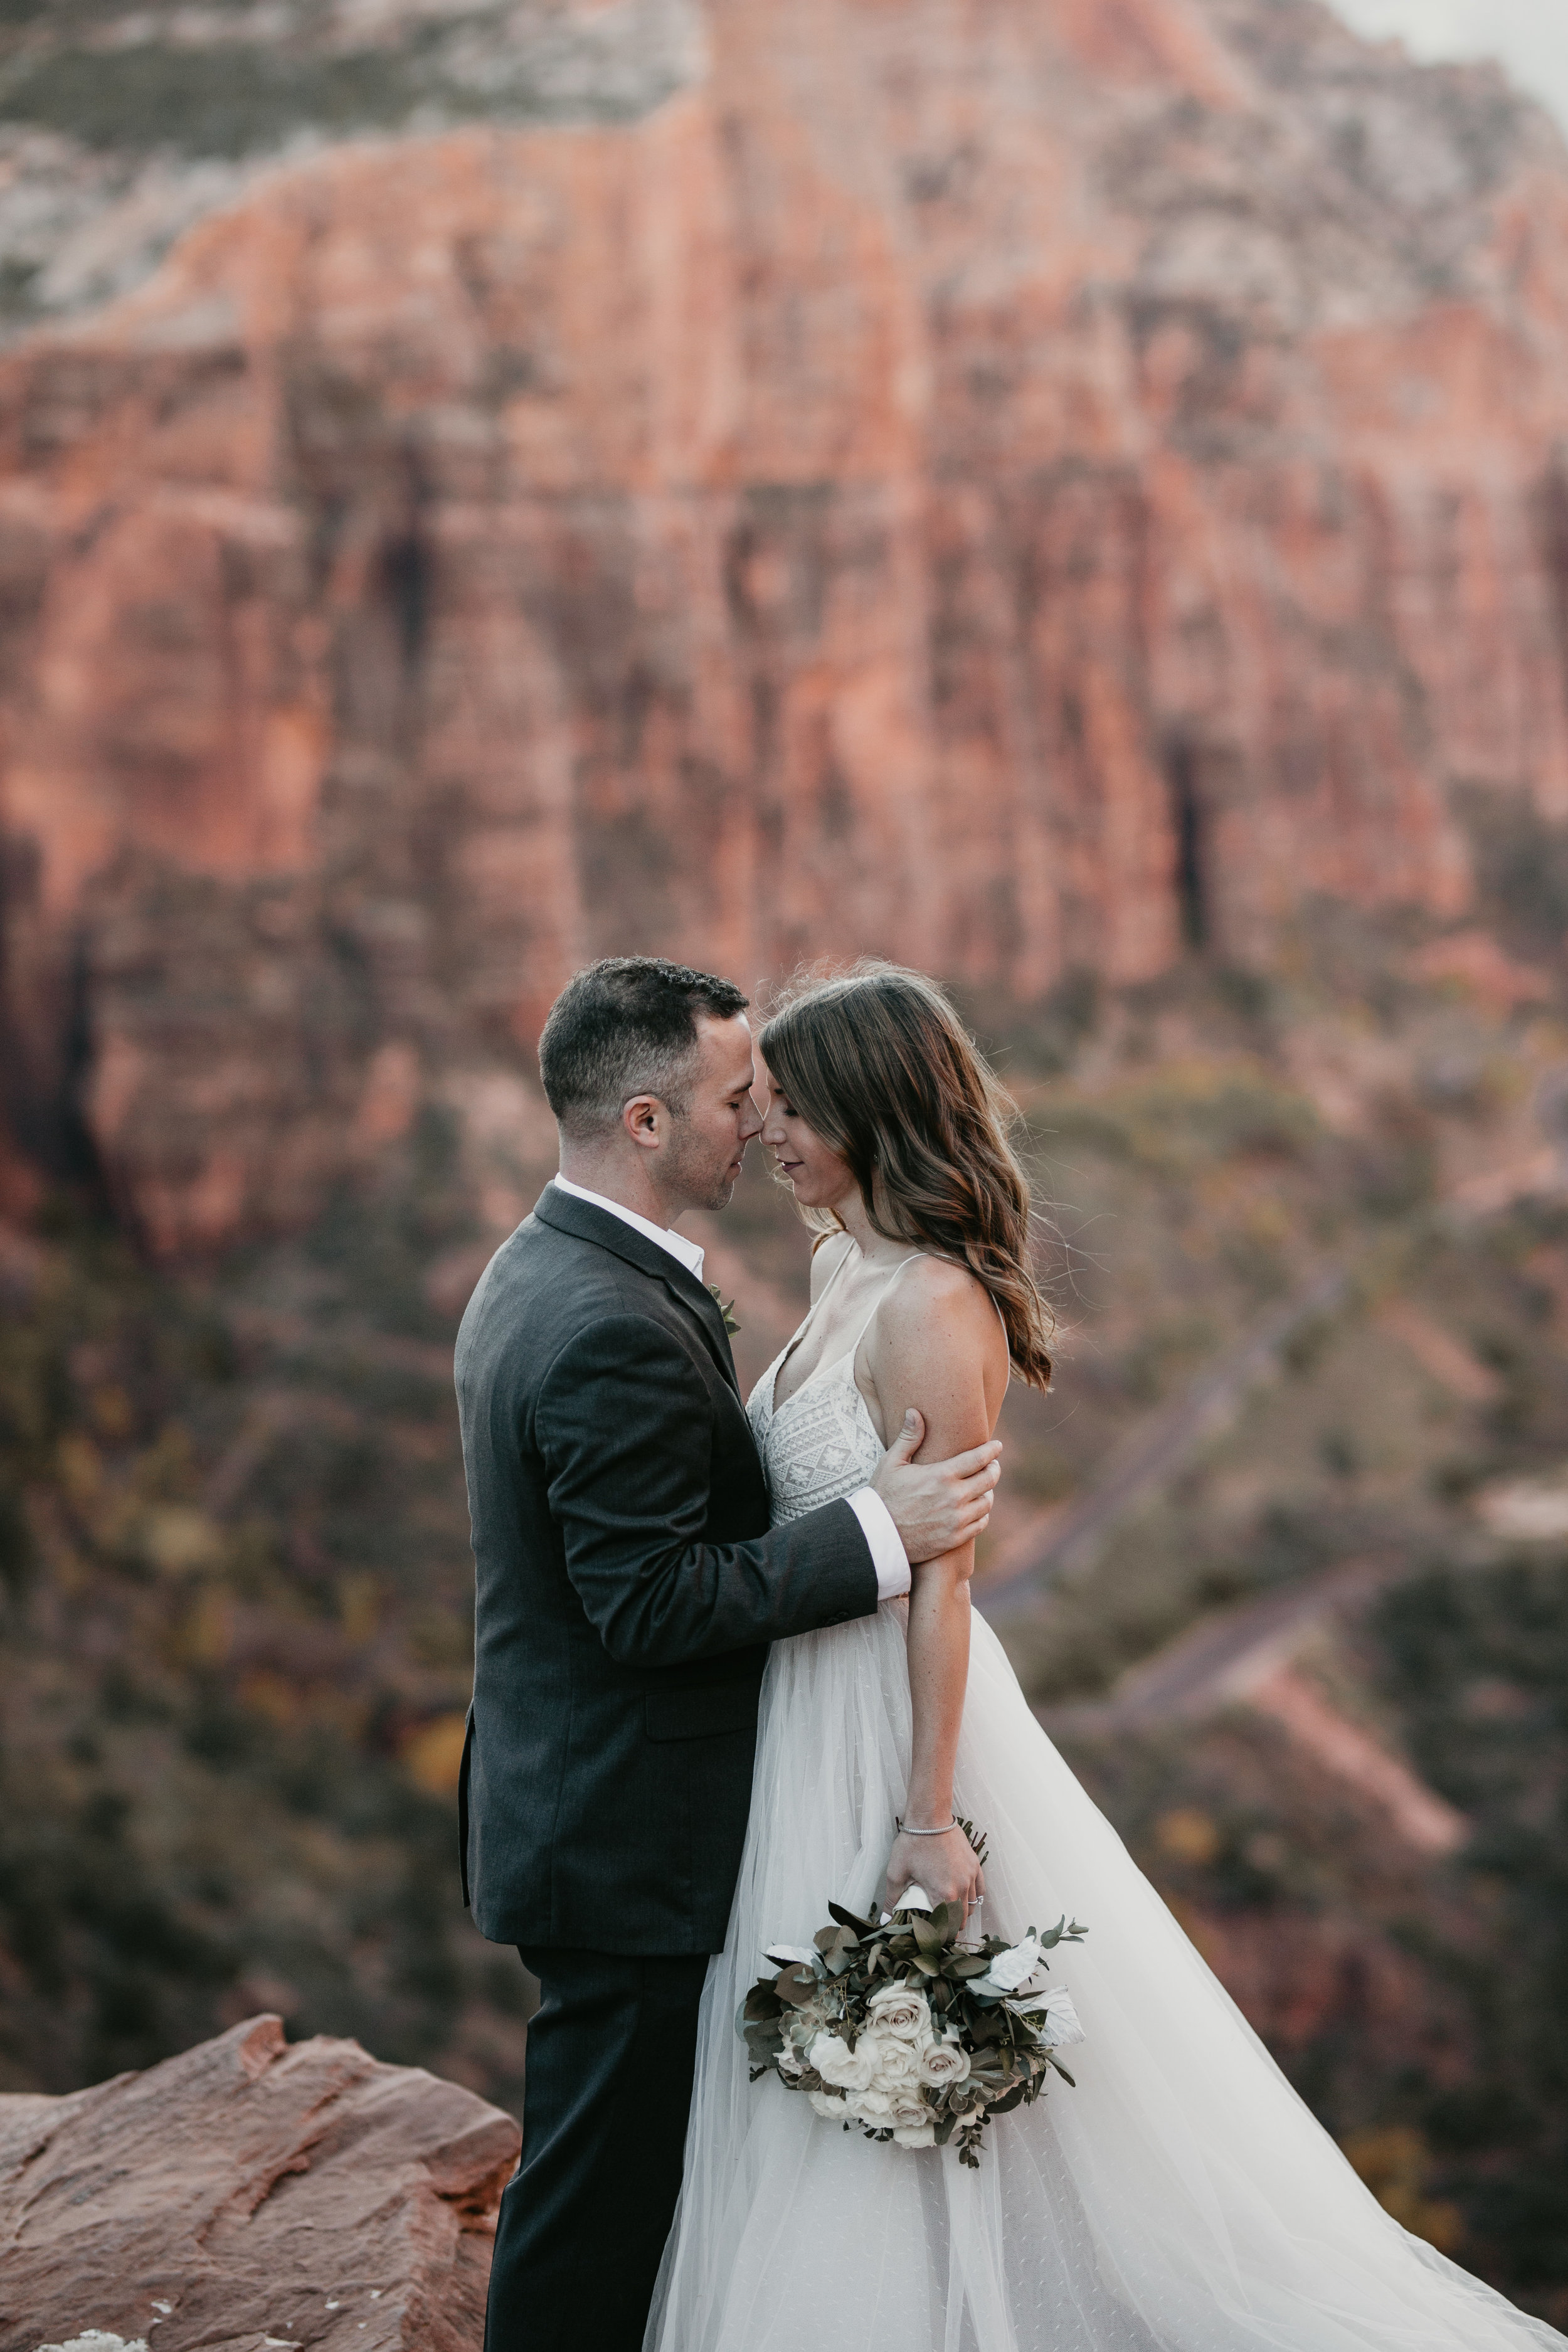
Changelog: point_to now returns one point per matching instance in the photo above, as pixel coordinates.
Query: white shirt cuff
(888, 1556)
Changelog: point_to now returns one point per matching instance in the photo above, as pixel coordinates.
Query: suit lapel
(588, 1224)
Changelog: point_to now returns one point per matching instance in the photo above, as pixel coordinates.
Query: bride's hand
(947, 1868)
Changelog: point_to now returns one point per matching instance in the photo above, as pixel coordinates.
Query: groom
(629, 1589)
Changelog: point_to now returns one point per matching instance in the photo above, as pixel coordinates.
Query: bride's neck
(874, 1247)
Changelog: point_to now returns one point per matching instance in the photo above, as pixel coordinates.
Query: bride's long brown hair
(878, 1064)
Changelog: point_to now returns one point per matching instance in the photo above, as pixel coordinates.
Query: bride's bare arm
(938, 1345)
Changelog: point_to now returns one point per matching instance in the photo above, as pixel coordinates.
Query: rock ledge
(247, 2191)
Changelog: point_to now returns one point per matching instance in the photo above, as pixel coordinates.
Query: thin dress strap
(820, 1300)
(793, 1347)
(881, 1297)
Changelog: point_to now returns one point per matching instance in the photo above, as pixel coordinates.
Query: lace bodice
(821, 1443)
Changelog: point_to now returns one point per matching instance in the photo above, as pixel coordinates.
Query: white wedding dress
(1181, 2198)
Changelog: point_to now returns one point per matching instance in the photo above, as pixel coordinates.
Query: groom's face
(705, 1148)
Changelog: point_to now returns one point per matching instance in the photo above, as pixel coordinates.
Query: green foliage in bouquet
(903, 2029)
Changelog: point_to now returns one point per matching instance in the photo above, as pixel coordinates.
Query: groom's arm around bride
(628, 1586)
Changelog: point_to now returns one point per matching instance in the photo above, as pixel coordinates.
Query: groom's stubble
(692, 1176)
(709, 1131)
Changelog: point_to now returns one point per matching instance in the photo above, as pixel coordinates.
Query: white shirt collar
(690, 1254)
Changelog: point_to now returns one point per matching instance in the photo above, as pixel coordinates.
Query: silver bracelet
(904, 1829)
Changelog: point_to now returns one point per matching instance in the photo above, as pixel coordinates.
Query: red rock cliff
(994, 483)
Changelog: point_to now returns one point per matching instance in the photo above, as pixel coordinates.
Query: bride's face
(817, 1176)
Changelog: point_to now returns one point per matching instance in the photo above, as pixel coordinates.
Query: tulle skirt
(1181, 2198)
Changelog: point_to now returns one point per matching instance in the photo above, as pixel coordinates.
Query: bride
(1181, 2198)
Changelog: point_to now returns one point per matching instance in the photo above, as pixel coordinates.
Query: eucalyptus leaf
(848, 1919)
(796, 1985)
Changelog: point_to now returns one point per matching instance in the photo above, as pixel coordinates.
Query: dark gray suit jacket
(629, 1588)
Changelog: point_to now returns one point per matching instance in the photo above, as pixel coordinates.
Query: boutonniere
(726, 1308)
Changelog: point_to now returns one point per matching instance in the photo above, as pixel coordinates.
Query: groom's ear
(644, 1120)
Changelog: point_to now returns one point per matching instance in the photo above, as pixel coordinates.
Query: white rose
(826, 2105)
(872, 2106)
(914, 2136)
(1009, 1968)
(892, 2063)
(846, 2069)
(943, 2063)
(898, 2009)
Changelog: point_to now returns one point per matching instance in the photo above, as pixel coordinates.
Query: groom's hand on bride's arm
(936, 1507)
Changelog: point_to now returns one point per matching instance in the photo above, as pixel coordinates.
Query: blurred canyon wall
(1021, 485)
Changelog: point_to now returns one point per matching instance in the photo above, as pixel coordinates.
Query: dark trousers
(582, 2222)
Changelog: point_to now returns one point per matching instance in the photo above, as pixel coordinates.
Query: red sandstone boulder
(248, 2192)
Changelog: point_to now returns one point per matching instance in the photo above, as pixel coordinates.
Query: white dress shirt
(888, 1556)
(691, 1253)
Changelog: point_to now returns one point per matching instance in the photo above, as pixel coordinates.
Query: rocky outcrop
(248, 2192)
(1021, 489)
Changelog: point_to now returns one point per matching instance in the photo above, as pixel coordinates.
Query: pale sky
(1529, 37)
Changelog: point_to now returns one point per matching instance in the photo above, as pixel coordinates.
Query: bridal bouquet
(901, 2028)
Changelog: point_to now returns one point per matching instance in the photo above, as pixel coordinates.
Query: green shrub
(229, 100)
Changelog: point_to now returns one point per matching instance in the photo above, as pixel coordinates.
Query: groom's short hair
(626, 1026)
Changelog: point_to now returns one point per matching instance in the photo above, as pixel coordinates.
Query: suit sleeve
(625, 1422)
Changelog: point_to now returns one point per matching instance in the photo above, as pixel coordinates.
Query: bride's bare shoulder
(826, 1260)
(937, 1299)
(938, 1342)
